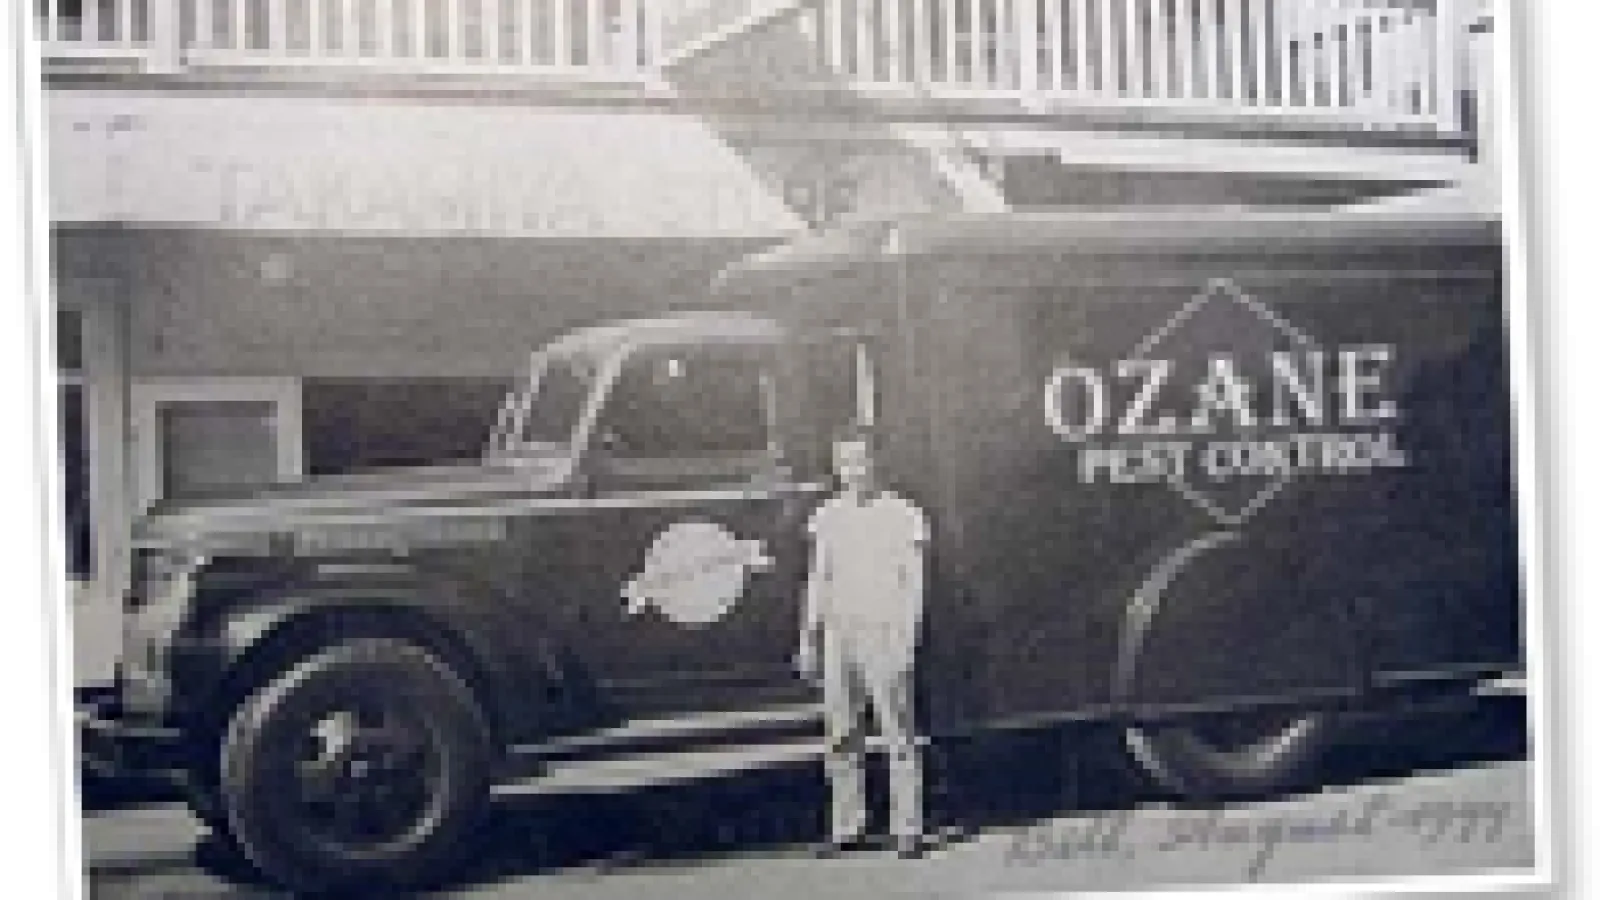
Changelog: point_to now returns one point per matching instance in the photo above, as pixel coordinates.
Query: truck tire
(1233, 756)
(364, 764)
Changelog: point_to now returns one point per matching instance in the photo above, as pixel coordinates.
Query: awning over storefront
(398, 166)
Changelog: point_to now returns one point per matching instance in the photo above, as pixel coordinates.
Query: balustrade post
(632, 35)
(1449, 43)
(1027, 25)
(166, 40)
(654, 35)
(1480, 84)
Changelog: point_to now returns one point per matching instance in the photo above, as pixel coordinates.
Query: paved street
(1419, 812)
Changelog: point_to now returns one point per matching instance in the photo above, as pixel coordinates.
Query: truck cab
(624, 560)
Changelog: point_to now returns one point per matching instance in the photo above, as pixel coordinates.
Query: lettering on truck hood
(395, 511)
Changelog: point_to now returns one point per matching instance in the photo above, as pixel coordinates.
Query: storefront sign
(333, 164)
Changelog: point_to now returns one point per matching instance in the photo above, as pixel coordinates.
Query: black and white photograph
(714, 448)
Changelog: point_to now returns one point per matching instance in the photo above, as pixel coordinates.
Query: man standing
(863, 609)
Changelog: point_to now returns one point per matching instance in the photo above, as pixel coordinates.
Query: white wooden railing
(1382, 61)
(1377, 63)
(576, 38)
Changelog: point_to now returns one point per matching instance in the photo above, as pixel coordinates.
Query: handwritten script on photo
(1377, 819)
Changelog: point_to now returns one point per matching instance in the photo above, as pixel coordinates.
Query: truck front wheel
(1234, 755)
(365, 764)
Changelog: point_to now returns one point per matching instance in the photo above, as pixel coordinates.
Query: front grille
(157, 606)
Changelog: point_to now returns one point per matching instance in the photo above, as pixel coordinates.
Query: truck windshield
(540, 418)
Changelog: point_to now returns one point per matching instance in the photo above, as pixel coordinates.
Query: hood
(366, 499)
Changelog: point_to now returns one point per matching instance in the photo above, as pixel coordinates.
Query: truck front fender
(525, 680)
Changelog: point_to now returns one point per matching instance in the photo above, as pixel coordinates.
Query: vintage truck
(1213, 479)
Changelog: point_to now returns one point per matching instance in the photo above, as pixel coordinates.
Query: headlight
(163, 585)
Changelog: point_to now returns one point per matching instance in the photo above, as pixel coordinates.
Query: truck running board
(670, 750)
(667, 749)
(675, 732)
(627, 773)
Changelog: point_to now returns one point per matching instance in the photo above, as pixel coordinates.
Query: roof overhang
(349, 165)
(1144, 233)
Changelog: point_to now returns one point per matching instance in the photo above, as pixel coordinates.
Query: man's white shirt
(869, 558)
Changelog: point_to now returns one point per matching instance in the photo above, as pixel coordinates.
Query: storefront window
(74, 444)
(75, 482)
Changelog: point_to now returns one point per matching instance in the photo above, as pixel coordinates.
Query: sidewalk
(1464, 821)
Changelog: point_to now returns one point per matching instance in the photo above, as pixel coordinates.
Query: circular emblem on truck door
(694, 572)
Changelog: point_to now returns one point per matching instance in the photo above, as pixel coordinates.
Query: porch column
(1450, 42)
(1027, 25)
(1481, 86)
(96, 613)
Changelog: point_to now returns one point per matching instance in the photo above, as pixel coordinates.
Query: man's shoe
(913, 846)
(839, 846)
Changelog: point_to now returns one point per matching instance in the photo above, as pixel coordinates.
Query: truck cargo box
(1184, 460)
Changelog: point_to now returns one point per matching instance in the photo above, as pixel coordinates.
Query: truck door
(691, 557)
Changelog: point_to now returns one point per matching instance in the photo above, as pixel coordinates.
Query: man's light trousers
(867, 680)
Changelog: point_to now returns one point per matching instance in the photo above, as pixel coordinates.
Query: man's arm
(910, 568)
(816, 588)
(912, 565)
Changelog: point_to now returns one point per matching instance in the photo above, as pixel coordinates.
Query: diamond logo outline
(1228, 289)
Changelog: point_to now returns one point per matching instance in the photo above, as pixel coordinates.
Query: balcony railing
(570, 38)
(1361, 63)
(1389, 62)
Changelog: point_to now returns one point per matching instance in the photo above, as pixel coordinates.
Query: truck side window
(688, 404)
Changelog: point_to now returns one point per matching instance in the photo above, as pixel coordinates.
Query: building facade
(304, 237)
